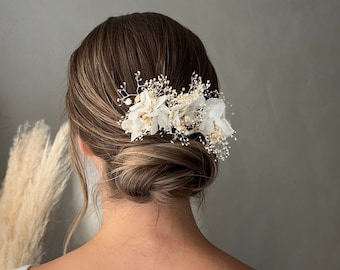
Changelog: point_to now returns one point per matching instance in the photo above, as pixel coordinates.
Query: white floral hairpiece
(156, 106)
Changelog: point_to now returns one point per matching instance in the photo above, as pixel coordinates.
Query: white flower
(157, 107)
(135, 127)
(214, 115)
(147, 116)
(186, 112)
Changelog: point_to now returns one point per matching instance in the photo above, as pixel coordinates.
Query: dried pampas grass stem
(36, 176)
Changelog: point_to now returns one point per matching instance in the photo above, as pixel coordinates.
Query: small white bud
(128, 101)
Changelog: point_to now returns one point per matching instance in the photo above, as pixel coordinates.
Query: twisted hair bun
(161, 172)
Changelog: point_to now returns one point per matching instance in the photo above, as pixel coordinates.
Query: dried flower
(157, 107)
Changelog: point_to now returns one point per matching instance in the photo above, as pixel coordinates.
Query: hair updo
(153, 169)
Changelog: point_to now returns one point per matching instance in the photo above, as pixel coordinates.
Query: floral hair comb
(157, 107)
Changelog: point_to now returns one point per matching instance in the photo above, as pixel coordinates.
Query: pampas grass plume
(36, 176)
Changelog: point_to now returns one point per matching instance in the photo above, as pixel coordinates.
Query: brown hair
(153, 169)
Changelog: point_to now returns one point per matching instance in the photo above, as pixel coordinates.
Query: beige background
(276, 202)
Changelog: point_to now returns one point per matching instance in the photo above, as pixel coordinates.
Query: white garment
(23, 267)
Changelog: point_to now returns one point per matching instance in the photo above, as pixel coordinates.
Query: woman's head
(153, 169)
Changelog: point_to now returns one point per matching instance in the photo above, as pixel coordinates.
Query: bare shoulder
(222, 262)
(200, 256)
(217, 259)
(39, 267)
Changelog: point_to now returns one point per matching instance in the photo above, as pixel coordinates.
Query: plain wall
(276, 202)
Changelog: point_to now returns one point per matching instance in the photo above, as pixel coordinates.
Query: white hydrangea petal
(163, 120)
(160, 101)
(126, 125)
(216, 108)
(133, 115)
(207, 127)
(154, 126)
(136, 107)
(135, 134)
(225, 125)
(145, 98)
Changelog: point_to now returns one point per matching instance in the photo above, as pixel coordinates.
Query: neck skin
(150, 223)
(149, 235)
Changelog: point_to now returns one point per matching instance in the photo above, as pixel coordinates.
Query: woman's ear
(83, 146)
(86, 150)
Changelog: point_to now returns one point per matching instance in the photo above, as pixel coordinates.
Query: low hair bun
(161, 172)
